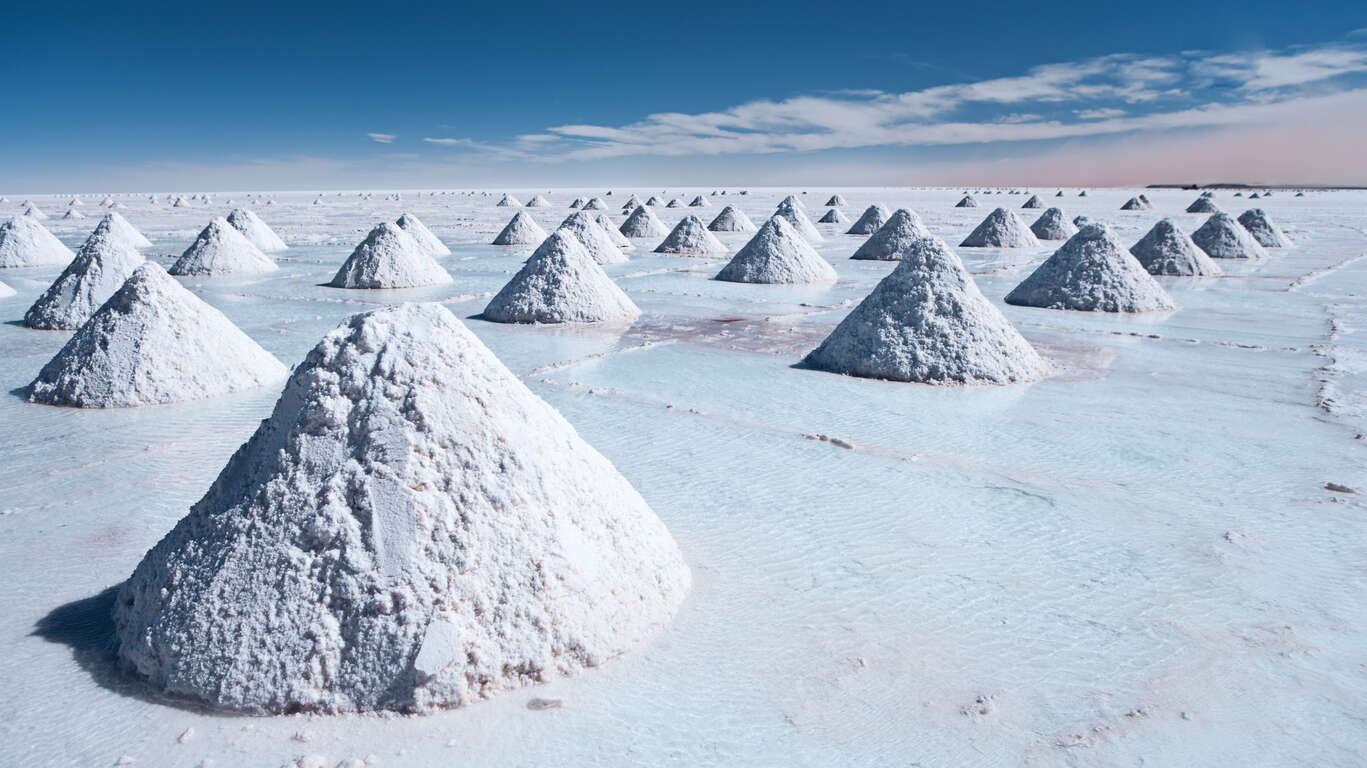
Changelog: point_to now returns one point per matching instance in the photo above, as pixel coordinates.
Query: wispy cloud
(383, 138)
(477, 146)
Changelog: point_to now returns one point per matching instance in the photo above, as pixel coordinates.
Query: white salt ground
(389, 257)
(26, 243)
(222, 250)
(777, 254)
(1092, 272)
(560, 283)
(100, 268)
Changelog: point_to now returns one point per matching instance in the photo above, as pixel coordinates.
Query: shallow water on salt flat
(1134, 560)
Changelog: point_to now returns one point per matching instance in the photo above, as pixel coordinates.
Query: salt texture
(389, 257)
(1001, 229)
(1267, 234)
(643, 223)
(424, 237)
(873, 217)
(777, 254)
(732, 219)
(1167, 250)
(689, 237)
(1092, 272)
(26, 243)
(221, 250)
(798, 218)
(590, 235)
(521, 229)
(901, 229)
(560, 283)
(1053, 225)
(120, 227)
(1222, 237)
(100, 268)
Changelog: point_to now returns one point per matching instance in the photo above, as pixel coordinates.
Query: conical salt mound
(1222, 237)
(643, 223)
(928, 322)
(1001, 229)
(1167, 250)
(632, 201)
(690, 238)
(593, 238)
(610, 227)
(119, 227)
(424, 237)
(835, 200)
(1053, 225)
(1267, 234)
(107, 201)
(1133, 204)
(873, 217)
(673, 203)
(794, 201)
(72, 213)
(100, 268)
(26, 243)
(522, 229)
(777, 254)
(967, 201)
(257, 232)
(899, 231)
(411, 529)
(653, 200)
(180, 202)
(34, 212)
(152, 342)
(1033, 202)
(798, 218)
(1092, 272)
(221, 250)
(560, 283)
(578, 203)
(389, 257)
(732, 219)
(699, 202)
(595, 204)
(833, 216)
(1202, 205)
(508, 201)
(538, 201)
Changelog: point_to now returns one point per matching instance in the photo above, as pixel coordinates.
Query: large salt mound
(538, 201)
(835, 200)
(153, 341)
(590, 235)
(798, 218)
(1092, 272)
(1053, 225)
(1033, 202)
(411, 529)
(967, 201)
(389, 257)
(691, 238)
(833, 216)
(424, 237)
(1001, 229)
(521, 229)
(560, 283)
(26, 243)
(777, 254)
(873, 217)
(1224, 238)
(1267, 234)
(1202, 204)
(1167, 250)
(643, 223)
(732, 219)
(508, 201)
(901, 229)
(222, 250)
(699, 202)
(610, 227)
(928, 322)
(120, 227)
(100, 268)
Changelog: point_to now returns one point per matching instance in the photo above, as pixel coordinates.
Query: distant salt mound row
(928, 322)
(1133, 204)
(598, 243)
(436, 534)
(521, 229)
(1033, 202)
(595, 204)
(610, 227)
(699, 202)
(835, 200)
(967, 201)
(153, 342)
(26, 243)
(508, 201)
(873, 217)
(221, 250)
(1092, 272)
(389, 257)
(100, 268)
(777, 254)
(560, 283)
(1001, 229)
(120, 227)
(690, 238)
(833, 216)
(901, 229)
(1260, 226)
(798, 218)
(1053, 225)
(1222, 237)
(1203, 204)
(424, 237)
(1167, 250)
(643, 223)
(732, 219)
(538, 201)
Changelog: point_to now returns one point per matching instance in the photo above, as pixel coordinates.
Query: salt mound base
(1132, 204)
(424, 237)
(610, 227)
(777, 254)
(928, 322)
(833, 216)
(901, 229)
(1202, 204)
(1267, 234)
(873, 217)
(1167, 250)
(1053, 225)
(100, 268)
(590, 235)
(691, 238)
(1224, 238)
(1033, 202)
(1091, 272)
(699, 202)
(795, 216)
(732, 219)
(152, 342)
(521, 229)
(643, 223)
(560, 283)
(835, 200)
(222, 250)
(508, 201)
(120, 227)
(436, 534)
(1001, 229)
(389, 257)
(26, 243)
(538, 201)
(967, 201)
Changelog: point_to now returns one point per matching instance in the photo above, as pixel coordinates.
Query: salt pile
(777, 254)
(673, 203)
(901, 229)
(1001, 229)
(389, 257)
(26, 243)
(521, 229)
(699, 202)
(928, 322)
(691, 238)
(34, 212)
(1053, 225)
(436, 534)
(1144, 199)
(643, 223)
(1167, 250)
(835, 200)
(424, 237)
(1092, 272)
(833, 216)
(794, 201)
(508, 201)
(653, 200)
(538, 201)
(100, 268)
(257, 232)
(1033, 202)
(967, 201)
(798, 218)
(222, 250)
(595, 204)
(1224, 238)
(560, 283)
(120, 227)
(873, 217)
(1132, 204)
(107, 201)
(1202, 205)
(578, 203)
(732, 219)
(610, 227)
(1267, 234)
(632, 201)
(153, 341)
(590, 235)
(180, 202)
(72, 213)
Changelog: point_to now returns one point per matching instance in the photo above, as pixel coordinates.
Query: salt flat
(1134, 560)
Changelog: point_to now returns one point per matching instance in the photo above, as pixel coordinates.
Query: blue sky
(158, 96)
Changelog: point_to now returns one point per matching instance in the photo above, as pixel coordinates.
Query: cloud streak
(383, 138)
